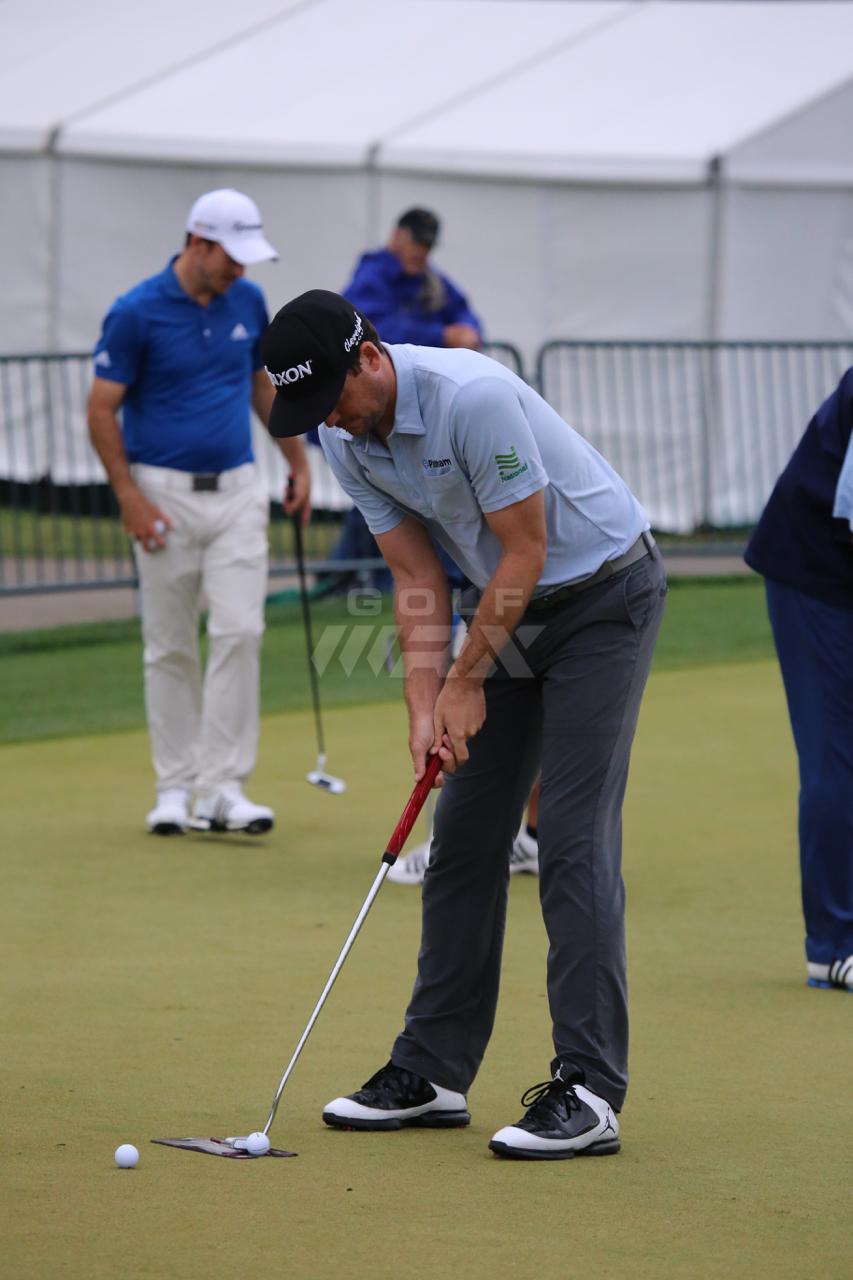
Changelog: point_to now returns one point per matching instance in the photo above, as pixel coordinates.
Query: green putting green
(157, 988)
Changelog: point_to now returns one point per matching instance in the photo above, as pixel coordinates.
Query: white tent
(604, 169)
(601, 169)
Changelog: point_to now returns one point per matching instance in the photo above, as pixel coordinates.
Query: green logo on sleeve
(510, 465)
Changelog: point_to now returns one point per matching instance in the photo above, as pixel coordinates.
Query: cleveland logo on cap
(356, 335)
(294, 374)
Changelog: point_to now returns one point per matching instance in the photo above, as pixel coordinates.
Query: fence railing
(699, 431)
(59, 523)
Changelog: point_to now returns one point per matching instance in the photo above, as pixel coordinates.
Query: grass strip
(88, 679)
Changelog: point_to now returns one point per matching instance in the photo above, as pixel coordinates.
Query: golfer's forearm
(423, 616)
(263, 395)
(106, 438)
(498, 614)
(294, 452)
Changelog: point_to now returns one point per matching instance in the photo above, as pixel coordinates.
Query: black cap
(306, 350)
(422, 224)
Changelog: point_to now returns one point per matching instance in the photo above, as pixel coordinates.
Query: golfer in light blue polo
(571, 588)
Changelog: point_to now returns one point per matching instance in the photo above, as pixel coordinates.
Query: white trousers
(204, 728)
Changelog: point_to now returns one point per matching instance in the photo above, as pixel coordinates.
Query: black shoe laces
(551, 1096)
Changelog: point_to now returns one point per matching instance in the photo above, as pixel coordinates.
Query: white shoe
(524, 859)
(171, 814)
(837, 974)
(412, 868)
(230, 810)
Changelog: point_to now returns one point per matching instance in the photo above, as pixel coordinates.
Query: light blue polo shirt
(470, 437)
(188, 372)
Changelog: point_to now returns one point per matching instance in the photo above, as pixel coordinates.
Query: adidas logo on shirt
(239, 332)
(103, 359)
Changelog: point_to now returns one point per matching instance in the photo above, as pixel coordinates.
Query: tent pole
(52, 239)
(715, 246)
(373, 231)
(711, 397)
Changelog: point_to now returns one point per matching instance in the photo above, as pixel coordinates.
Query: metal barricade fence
(59, 523)
(699, 431)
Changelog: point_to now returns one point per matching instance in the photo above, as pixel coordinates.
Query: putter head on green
(326, 782)
(228, 1147)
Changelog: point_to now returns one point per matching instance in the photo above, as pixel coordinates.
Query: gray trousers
(574, 715)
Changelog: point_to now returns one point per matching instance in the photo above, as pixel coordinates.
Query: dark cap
(422, 224)
(306, 350)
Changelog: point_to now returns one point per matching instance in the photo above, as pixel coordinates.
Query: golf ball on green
(127, 1156)
(257, 1144)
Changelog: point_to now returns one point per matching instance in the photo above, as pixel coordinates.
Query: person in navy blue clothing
(803, 546)
(177, 368)
(405, 298)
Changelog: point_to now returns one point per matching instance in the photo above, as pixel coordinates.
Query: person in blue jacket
(405, 298)
(803, 546)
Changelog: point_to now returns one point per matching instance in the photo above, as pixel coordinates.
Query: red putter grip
(409, 815)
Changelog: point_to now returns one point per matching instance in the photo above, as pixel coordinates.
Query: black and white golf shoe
(563, 1119)
(398, 1099)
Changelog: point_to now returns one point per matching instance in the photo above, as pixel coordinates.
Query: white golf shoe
(524, 859)
(171, 814)
(230, 810)
(411, 869)
(837, 974)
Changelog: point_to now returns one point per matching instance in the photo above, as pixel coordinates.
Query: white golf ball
(257, 1144)
(160, 526)
(127, 1156)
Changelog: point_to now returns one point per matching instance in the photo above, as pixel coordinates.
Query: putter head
(326, 782)
(229, 1147)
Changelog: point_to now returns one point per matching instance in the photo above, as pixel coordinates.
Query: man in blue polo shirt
(453, 446)
(178, 359)
(803, 546)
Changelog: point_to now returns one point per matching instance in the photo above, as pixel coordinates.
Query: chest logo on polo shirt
(437, 466)
(510, 465)
(239, 333)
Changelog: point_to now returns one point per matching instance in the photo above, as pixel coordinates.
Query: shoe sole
(821, 985)
(430, 1120)
(256, 828)
(166, 829)
(610, 1148)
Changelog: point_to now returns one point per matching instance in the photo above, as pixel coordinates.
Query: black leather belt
(208, 483)
(642, 547)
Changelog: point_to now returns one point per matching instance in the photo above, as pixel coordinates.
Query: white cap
(234, 221)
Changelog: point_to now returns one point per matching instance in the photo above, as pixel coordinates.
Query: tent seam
(502, 77)
(165, 73)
